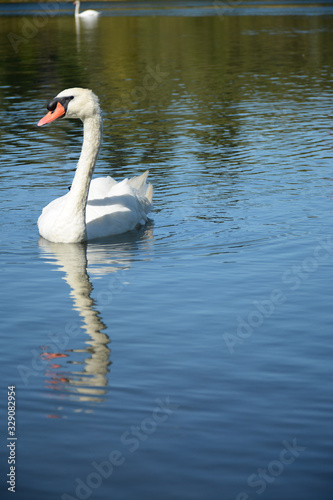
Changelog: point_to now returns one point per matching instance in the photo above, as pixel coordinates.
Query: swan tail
(149, 193)
(140, 183)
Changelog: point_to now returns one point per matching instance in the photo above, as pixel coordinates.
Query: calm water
(191, 360)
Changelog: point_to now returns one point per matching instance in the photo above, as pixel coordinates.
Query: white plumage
(86, 13)
(102, 207)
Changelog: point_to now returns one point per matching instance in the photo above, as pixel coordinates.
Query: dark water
(191, 360)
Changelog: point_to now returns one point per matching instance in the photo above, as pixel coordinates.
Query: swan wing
(89, 13)
(124, 206)
(101, 187)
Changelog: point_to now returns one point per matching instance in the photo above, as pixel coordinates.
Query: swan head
(72, 103)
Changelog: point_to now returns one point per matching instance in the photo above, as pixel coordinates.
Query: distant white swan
(98, 208)
(85, 13)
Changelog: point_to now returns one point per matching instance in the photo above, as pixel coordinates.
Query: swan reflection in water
(82, 373)
(89, 28)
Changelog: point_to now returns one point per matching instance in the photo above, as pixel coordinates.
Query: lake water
(192, 359)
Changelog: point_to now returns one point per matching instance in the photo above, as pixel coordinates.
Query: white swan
(85, 13)
(98, 208)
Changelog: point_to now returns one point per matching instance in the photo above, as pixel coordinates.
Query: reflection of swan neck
(77, 27)
(89, 383)
(72, 260)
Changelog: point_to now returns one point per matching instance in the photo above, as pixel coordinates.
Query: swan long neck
(77, 7)
(92, 136)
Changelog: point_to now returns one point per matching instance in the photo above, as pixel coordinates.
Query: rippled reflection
(82, 372)
(88, 25)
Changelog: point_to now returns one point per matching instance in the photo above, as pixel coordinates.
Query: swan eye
(51, 106)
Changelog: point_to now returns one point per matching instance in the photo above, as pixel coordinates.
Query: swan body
(98, 208)
(86, 13)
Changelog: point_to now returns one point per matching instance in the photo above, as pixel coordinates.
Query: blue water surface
(190, 359)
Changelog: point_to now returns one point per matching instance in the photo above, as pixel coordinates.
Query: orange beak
(52, 115)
